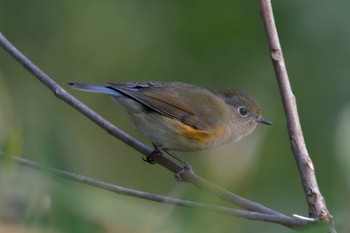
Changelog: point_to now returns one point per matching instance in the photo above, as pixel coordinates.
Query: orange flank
(199, 136)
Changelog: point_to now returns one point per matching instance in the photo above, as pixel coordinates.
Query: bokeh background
(208, 43)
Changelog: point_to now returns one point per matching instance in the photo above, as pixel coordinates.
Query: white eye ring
(243, 111)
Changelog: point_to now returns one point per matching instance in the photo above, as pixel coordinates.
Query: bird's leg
(157, 149)
(186, 166)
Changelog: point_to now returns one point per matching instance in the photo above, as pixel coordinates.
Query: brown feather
(163, 100)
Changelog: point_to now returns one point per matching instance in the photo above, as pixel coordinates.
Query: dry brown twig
(254, 211)
(314, 198)
(189, 176)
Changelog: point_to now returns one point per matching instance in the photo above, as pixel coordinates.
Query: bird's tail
(90, 87)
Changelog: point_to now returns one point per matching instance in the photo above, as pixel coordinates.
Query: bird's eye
(242, 111)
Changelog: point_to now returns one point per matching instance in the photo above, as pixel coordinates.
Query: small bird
(183, 117)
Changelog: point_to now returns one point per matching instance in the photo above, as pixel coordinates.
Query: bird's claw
(148, 159)
(179, 175)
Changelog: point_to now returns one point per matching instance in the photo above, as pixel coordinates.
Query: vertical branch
(314, 198)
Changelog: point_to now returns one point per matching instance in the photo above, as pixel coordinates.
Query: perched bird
(183, 117)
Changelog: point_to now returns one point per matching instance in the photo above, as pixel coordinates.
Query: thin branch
(314, 198)
(116, 132)
(293, 222)
(256, 209)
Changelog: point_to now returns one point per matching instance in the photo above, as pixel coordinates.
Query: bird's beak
(263, 121)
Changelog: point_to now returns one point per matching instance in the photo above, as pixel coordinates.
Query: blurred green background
(208, 43)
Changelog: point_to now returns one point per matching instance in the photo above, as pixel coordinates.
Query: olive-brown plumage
(181, 116)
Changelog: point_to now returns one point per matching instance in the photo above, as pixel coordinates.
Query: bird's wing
(162, 98)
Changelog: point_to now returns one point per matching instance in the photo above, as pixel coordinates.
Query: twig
(290, 221)
(159, 158)
(314, 198)
(254, 208)
(116, 132)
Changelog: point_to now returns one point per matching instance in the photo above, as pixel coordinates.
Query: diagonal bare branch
(294, 222)
(189, 176)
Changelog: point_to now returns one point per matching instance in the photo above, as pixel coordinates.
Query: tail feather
(94, 88)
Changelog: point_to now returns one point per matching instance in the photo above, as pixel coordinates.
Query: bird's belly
(174, 135)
